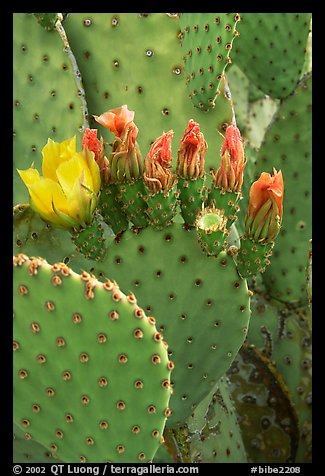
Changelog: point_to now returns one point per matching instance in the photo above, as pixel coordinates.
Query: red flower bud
(190, 161)
(229, 176)
(95, 145)
(157, 175)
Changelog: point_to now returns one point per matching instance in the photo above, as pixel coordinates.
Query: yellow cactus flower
(66, 195)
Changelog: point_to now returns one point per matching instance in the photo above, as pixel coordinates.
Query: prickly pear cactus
(46, 98)
(188, 194)
(102, 333)
(287, 144)
(271, 50)
(132, 79)
(211, 434)
(176, 282)
(27, 450)
(206, 45)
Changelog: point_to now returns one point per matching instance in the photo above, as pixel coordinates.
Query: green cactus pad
(214, 432)
(287, 146)
(206, 44)
(47, 20)
(309, 274)
(133, 196)
(200, 303)
(260, 114)
(226, 201)
(267, 417)
(90, 240)
(45, 96)
(111, 209)
(211, 231)
(239, 86)
(91, 374)
(34, 237)
(271, 50)
(150, 80)
(191, 195)
(27, 450)
(253, 257)
(284, 337)
(162, 207)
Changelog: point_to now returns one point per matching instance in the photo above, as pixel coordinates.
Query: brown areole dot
(155, 359)
(50, 306)
(56, 280)
(123, 358)
(138, 334)
(68, 418)
(76, 318)
(84, 357)
(103, 382)
(120, 405)
(41, 359)
(35, 327)
(103, 425)
(23, 373)
(60, 342)
(102, 338)
(59, 434)
(85, 399)
(66, 375)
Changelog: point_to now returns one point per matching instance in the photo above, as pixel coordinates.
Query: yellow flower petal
(71, 170)
(93, 168)
(44, 194)
(79, 202)
(54, 154)
(29, 176)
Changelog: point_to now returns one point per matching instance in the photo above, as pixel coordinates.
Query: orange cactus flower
(117, 120)
(267, 187)
(264, 216)
(229, 176)
(190, 161)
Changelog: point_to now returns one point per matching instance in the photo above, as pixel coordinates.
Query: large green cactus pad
(138, 62)
(215, 435)
(26, 450)
(200, 303)
(271, 50)
(91, 374)
(287, 146)
(284, 337)
(206, 44)
(266, 415)
(45, 96)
